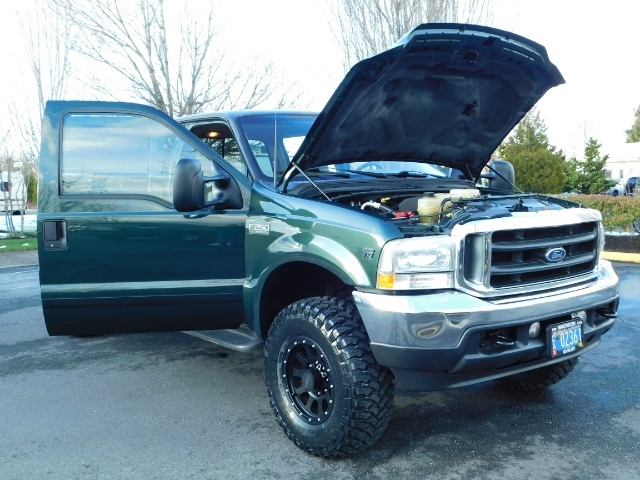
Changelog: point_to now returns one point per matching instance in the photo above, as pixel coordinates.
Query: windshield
(388, 167)
(274, 138)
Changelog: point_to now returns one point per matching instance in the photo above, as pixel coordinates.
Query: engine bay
(453, 207)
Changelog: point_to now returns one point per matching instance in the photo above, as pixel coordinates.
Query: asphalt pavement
(169, 405)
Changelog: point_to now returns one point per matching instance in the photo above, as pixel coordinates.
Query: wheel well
(292, 282)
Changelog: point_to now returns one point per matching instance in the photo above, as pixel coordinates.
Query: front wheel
(327, 391)
(541, 377)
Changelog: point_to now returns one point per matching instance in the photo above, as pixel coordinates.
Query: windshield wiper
(339, 173)
(322, 171)
(345, 173)
(405, 174)
(367, 173)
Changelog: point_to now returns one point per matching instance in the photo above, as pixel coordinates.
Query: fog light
(534, 330)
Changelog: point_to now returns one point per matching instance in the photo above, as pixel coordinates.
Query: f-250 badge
(259, 228)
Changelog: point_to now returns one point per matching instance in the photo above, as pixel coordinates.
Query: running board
(241, 339)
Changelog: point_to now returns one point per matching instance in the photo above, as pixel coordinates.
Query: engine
(455, 207)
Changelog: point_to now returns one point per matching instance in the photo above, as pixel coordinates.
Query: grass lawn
(30, 242)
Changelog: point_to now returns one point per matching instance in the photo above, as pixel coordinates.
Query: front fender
(319, 250)
(282, 229)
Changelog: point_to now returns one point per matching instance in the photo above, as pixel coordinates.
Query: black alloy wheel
(306, 378)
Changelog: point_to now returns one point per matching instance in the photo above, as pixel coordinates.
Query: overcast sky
(594, 44)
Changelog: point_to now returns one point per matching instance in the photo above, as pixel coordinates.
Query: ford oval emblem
(554, 255)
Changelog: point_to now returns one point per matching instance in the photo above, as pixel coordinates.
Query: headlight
(417, 263)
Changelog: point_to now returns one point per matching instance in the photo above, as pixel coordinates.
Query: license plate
(564, 338)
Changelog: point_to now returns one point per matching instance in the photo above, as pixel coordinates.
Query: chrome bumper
(432, 341)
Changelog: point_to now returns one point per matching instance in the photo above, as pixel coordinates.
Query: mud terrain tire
(327, 391)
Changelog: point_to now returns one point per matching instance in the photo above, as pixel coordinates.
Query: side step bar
(241, 339)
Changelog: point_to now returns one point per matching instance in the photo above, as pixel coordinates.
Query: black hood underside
(447, 94)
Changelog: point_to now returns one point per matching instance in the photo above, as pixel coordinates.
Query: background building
(624, 161)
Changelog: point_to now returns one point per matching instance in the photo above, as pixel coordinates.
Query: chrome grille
(519, 257)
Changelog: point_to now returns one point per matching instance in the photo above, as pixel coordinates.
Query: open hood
(446, 94)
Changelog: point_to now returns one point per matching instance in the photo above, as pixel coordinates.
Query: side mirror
(193, 191)
(502, 176)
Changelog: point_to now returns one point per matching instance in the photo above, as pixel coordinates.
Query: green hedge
(618, 213)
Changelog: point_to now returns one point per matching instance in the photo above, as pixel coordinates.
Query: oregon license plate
(564, 338)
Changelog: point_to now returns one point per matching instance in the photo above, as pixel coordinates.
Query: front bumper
(443, 340)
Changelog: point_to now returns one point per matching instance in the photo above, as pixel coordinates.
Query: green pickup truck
(369, 246)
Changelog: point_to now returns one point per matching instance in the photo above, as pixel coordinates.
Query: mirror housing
(190, 186)
(502, 176)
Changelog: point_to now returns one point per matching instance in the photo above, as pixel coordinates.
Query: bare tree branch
(367, 27)
(46, 34)
(175, 66)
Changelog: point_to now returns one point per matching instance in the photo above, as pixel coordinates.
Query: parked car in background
(630, 186)
(617, 189)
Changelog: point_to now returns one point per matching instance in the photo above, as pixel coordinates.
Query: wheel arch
(288, 283)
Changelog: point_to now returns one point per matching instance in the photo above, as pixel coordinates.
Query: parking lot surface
(168, 405)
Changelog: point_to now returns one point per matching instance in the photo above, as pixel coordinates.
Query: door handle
(54, 234)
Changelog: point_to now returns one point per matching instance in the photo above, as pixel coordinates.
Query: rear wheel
(540, 378)
(327, 391)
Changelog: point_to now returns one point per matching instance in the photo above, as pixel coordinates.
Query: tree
(46, 32)
(46, 35)
(593, 168)
(588, 176)
(633, 134)
(537, 165)
(172, 65)
(573, 176)
(367, 27)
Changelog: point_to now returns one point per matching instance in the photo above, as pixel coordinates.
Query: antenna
(275, 149)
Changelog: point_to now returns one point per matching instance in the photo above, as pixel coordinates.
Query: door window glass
(122, 154)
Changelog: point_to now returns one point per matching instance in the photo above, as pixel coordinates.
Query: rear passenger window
(228, 149)
(121, 154)
(219, 137)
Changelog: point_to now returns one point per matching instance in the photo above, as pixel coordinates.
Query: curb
(622, 257)
(24, 258)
